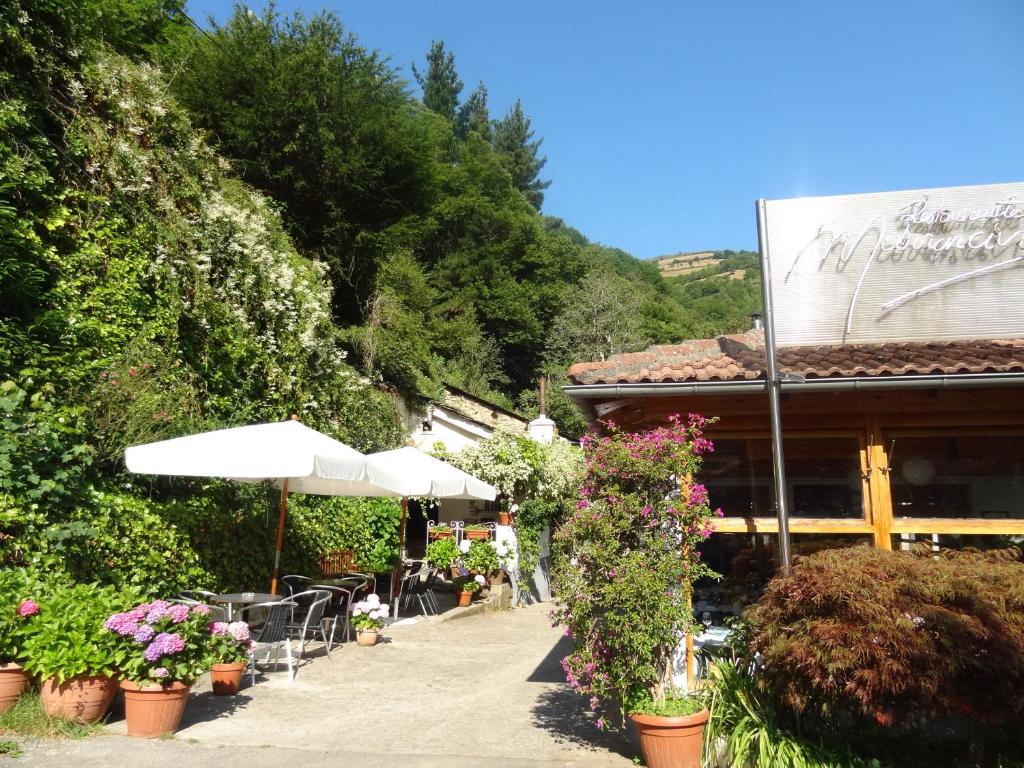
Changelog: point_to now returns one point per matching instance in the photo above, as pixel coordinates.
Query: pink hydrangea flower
(239, 630)
(218, 628)
(179, 613)
(28, 608)
(160, 672)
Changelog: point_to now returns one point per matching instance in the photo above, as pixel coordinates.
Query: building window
(823, 477)
(957, 475)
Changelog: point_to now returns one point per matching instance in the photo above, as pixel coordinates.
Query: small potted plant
(71, 653)
(442, 552)
(467, 587)
(160, 650)
(17, 613)
(476, 531)
(368, 616)
(231, 649)
(627, 560)
(439, 531)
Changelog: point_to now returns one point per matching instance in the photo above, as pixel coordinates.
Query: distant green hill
(718, 289)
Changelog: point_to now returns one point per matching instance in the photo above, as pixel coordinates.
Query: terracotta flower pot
(504, 518)
(671, 742)
(13, 682)
(367, 636)
(153, 710)
(478, 534)
(464, 599)
(226, 678)
(85, 698)
(444, 533)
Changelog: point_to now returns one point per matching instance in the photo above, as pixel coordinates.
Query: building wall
(872, 422)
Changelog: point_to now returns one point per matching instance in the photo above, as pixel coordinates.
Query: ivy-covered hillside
(146, 292)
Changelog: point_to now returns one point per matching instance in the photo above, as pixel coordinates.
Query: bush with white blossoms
(369, 613)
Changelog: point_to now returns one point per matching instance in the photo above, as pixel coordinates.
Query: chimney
(755, 319)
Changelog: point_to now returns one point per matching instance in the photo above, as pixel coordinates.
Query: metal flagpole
(778, 457)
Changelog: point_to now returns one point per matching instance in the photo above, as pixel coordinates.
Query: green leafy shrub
(481, 557)
(896, 637)
(68, 638)
(442, 552)
(16, 617)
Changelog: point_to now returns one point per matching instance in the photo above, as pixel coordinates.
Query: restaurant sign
(922, 265)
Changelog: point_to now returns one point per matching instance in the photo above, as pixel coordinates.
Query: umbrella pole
(401, 544)
(280, 537)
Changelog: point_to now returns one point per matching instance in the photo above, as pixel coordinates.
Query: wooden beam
(958, 525)
(796, 525)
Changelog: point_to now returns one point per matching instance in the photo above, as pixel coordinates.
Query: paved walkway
(482, 690)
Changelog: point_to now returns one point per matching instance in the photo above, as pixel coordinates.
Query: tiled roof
(741, 357)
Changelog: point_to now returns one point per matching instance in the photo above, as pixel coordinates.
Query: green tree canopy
(440, 83)
(512, 139)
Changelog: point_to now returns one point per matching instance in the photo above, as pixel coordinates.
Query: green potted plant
(476, 531)
(160, 649)
(466, 587)
(17, 614)
(439, 531)
(442, 552)
(627, 559)
(230, 650)
(482, 557)
(71, 653)
(368, 616)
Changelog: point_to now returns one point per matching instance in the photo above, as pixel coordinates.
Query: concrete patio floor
(482, 690)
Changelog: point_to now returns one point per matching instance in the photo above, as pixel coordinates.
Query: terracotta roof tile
(741, 357)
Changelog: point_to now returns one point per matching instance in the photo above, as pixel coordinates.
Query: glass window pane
(823, 477)
(957, 476)
(937, 541)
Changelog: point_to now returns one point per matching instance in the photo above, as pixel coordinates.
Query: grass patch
(26, 718)
(10, 748)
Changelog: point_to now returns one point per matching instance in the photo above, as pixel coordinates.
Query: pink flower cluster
(164, 644)
(28, 608)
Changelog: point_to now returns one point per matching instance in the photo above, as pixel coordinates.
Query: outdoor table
(244, 598)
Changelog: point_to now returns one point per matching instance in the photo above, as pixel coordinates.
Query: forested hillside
(208, 228)
(722, 295)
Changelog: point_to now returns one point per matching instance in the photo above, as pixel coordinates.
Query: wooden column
(878, 484)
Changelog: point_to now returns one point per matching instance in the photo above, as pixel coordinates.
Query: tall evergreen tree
(511, 138)
(441, 85)
(474, 116)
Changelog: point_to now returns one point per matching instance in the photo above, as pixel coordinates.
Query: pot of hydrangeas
(17, 613)
(368, 616)
(626, 562)
(466, 587)
(161, 649)
(71, 653)
(231, 649)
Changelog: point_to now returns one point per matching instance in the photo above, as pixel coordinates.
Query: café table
(231, 599)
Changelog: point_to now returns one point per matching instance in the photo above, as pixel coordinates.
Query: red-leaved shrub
(898, 637)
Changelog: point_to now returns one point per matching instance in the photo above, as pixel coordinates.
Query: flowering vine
(626, 559)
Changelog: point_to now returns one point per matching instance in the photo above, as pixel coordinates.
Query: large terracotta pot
(465, 598)
(153, 710)
(85, 698)
(227, 678)
(367, 636)
(671, 742)
(13, 682)
(504, 518)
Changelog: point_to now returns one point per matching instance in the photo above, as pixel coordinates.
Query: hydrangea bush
(369, 614)
(161, 642)
(626, 559)
(230, 643)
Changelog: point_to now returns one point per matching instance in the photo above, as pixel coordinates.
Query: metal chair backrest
(315, 614)
(275, 628)
(295, 583)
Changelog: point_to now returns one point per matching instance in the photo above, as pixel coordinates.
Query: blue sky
(664, 121)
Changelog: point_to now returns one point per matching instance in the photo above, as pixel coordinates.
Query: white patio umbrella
(423, 475)
(290, 455)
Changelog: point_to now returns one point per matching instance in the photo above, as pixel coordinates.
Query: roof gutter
(581, 394)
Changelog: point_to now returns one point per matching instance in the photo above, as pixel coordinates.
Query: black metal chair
(273, 634)
(295, 583)
(340, 607)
